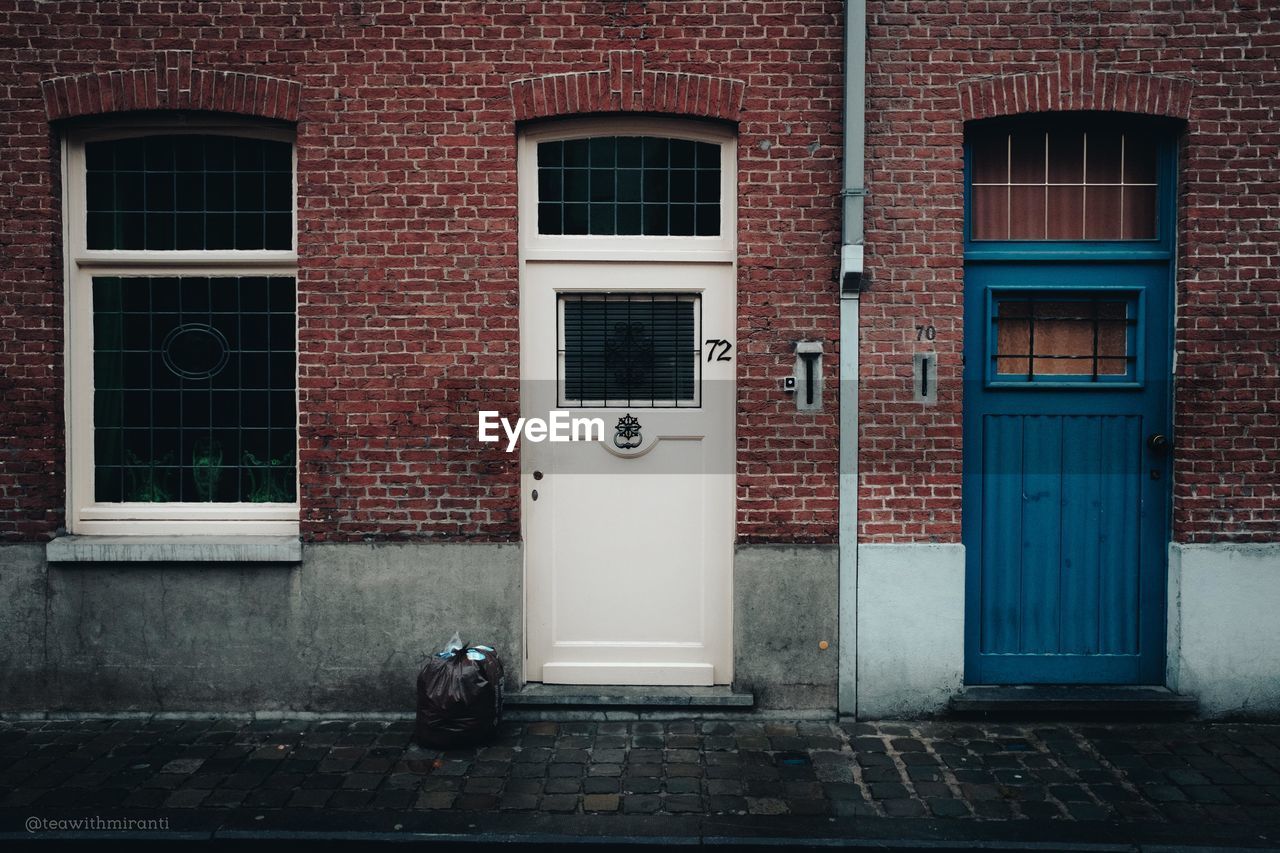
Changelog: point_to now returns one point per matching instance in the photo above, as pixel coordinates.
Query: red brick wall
(1222, 57)
(408, 257)
(407, 231)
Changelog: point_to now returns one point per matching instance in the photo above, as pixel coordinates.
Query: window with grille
(633, 349)
(1063, 183)
(629, 185)
(1085, 336)
(184, 320)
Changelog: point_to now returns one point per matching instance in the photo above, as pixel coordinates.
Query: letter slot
(808, 376)
(924, 378)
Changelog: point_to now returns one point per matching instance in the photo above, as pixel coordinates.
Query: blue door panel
(1065, 518)
(1066, 506)
(1059, 544)
(1000, 614)
(1082, 549)
(1041, 535)
(1120, 483)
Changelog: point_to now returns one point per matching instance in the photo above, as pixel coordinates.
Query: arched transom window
(1066, 181)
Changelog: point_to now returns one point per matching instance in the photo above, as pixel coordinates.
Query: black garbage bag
(459, 696)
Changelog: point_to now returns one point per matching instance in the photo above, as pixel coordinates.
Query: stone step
(560, 696)
(1089, 701)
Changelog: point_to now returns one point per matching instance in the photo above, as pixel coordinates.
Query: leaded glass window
(194, 389)
(635, 349)
(189, 191)
(629, 185)
(182, 368)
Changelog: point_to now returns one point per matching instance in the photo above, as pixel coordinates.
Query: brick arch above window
(627, 86)
(1076, 84)
(171, 85)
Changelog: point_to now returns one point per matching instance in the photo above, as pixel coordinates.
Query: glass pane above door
(1063, 184)
(629, 185)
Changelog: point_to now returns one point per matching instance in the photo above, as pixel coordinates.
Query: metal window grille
(630, 349)
(1048, 337)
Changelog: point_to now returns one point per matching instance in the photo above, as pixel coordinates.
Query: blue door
(1066, 404)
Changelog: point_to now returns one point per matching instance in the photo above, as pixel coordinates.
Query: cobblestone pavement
(1175, 773)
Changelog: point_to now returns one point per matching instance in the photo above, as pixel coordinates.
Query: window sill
(174, 549)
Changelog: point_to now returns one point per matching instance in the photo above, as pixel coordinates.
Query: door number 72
(718, 349)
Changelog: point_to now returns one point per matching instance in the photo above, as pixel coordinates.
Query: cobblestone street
(1196, 775)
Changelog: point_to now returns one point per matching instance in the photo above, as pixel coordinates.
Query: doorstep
(1097, 701)
(554, 697)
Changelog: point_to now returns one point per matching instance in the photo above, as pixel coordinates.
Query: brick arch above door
(173, 84)
(1076, 84)
(627, 86)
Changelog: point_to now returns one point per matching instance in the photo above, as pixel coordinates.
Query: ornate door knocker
(627, 435)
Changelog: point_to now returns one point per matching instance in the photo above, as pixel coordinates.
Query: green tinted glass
(629, 185)
(189, 191)
(194, 389)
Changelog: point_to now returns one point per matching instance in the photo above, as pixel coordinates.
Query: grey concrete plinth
(346, 629)
(786, 603)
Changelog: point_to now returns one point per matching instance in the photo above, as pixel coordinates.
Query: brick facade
(172, 85)
(406, 116)
(931, 67)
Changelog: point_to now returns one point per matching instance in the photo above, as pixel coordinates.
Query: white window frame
(579, 247)
(86, 516)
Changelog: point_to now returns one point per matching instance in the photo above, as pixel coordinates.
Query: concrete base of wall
(345, 630)
(1224, 627)
(1223, 637)
(910, 629)
(786, 602)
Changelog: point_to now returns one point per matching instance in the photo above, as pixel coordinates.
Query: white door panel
(628, 551)
(629, 543)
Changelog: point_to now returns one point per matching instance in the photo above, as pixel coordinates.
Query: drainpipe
(852, 196)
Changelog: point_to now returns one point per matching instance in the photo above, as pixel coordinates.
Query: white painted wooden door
(628, 550)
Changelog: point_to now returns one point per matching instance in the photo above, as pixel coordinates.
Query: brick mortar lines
(1122, 778)
(1042, 747)
(944, 770)
(895, 755)
(856, 770)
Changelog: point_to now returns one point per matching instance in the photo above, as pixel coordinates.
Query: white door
(629, 539)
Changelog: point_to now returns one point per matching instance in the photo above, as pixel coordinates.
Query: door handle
(1158, 442)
